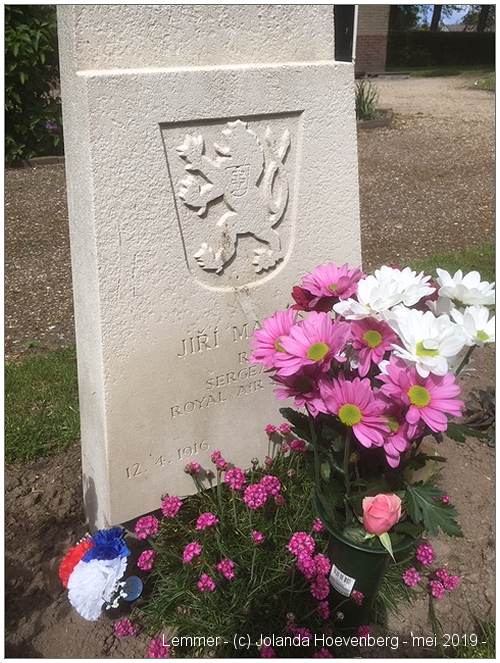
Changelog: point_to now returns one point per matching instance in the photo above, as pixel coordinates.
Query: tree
(436, 17)
(482, 21)
(476, 12)
(405, 17)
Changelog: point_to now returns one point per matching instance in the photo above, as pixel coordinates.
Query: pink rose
(380, 513)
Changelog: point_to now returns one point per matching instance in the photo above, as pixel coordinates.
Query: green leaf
(459, 432)
(299, 421)
(325, 471)
(385, 540)
(425, 506)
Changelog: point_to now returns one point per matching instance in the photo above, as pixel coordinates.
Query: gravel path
(427, 186)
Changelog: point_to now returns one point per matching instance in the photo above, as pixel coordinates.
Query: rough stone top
(137, 36)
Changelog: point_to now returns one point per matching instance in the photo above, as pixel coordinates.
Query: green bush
(366, 100)
(33, 125)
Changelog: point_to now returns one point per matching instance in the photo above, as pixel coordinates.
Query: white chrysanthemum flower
(429, 342)
(477, 327)
(382, 290)
(92, 584)
(468, 290)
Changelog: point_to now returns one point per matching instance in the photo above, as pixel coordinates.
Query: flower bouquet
(372, 361)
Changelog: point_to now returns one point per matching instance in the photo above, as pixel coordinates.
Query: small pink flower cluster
(298, 445)
(442, 582)
(258, 537)
(270, 429)
(318, 526)
(438, 582)
(425, 554)
(157, 649)
(206, 583)
(364, 630)
(226, 568)
(219, 462)
(170, 506)
(301, 543)
(266, 651)
(146, 560)
(271, 484)
(315, 569)
(235, 478)
(124, 628)
(324, 610)
(411, 577)
(304, 633)
(357, 597)
(193, 468)
(257, 494)
(206, 520)
(146, 526)
(191, 551)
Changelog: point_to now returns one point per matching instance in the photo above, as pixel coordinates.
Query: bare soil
(426, 187)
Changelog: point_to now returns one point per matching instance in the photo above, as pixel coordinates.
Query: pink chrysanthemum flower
(436, 589)
(235, 478)
(329, 280)
(226, 568)
(146, 526)
(411, 577)
(258, 537)
(315, 341)
(425, 554)
(323, 653)
(318, 526)
(266, 342)
(206, 520)
(255, 496)
(320, 588)
(206, 583)
(193, 468)
(146, 560)
(157, 649)
(371, 339)
(364, 630)
(270, 429)
(322, 564)
(266, 651)
(302, 387)
(219, 462)
(324, 610)
(357, 407)
(398, 441)
(428, 399)
(271, 484)
(170, 506)
(301, 543)
(357, 597)
(305, 564)
(124, 628)
(191, 551)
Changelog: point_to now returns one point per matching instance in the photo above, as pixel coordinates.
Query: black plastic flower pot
(356, 567)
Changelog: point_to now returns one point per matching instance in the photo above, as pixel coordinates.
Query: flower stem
(347, 454)
(465, 360)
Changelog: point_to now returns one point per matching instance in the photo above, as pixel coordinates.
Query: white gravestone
(211, 161)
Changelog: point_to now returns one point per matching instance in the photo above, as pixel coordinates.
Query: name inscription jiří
(246, 176)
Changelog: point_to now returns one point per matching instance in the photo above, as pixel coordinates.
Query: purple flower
(425, 554)
(146, 526)
(206, 583)
(206, 520)
(436, 589)
(271, 484)
(170, 506)
(146, 560)
(411, 577)
(124, 628)
(255, 496)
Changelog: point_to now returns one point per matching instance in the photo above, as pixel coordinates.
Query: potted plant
(372, 364)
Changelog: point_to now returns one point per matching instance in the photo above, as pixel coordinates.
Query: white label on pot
(341, 582)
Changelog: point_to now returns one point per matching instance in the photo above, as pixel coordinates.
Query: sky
(457, 16)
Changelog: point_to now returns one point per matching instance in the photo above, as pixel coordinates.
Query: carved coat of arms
(241, 186)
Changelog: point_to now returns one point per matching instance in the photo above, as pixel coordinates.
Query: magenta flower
(266, 651)
(320, 588)
(146, 526)
(258, 537)
(191, 551)
(302, 387)
(235, 478)
(124, 628)
(322, 564)
(364, 630)
(270, 429)
(324, 610)
(305, 564)
(357, 597)
(271, 484)
(398, 441)
(170, 506)
(193, 468)
(206, 520)
(428, 399)
(255, 496)
(331, 281)
(371, 339)
(357, 407)
(266, 342)
(226, 568)
(451, 583)
(301, 543)
(157, 649)
(411, 577)
(315, 341)
(445, 499)
(146, 560)
(318, 526)
(436, 589)
(279, 500)
(219, 462)
(425, 554)
(323, 653)
(298, 445)
(206, 583)
(268, 461)
(285, 429)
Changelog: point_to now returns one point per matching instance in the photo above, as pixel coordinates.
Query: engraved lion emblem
(248, 177)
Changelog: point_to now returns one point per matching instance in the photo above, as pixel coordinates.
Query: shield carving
(233, 182)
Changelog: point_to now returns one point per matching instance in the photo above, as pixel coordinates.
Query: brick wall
(371, 43)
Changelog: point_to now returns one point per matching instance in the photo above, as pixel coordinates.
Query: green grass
(480, 258)
(457, 70)
(486, 647)
(486, 83)
(41, 405)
